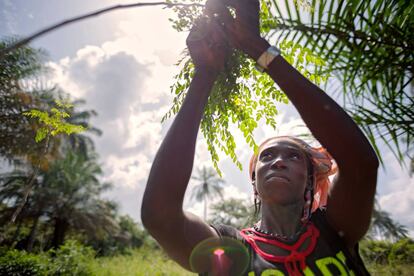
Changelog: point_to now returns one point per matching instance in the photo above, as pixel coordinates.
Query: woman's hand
(208, 46)
(244, 30)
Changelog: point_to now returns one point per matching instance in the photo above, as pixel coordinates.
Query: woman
(294, 236)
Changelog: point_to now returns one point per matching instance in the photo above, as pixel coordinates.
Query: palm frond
(370, 48)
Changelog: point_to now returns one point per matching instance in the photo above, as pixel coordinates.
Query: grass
(400, 270)
(143, 261)
(148, 261)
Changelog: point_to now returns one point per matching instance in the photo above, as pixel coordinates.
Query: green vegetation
(238, 213)
(74, 259)
(53, 124)
(143, 261)
(53, 219)
(367, 45)
(53, 192)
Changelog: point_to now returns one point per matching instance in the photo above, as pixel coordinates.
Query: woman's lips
(278, 177)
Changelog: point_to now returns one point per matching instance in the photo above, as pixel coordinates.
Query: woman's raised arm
(161, 213)
(351, 196)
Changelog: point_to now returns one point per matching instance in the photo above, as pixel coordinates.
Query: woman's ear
(254, 188)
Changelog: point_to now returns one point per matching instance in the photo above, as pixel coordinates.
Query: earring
(307, 206)
(256, 203)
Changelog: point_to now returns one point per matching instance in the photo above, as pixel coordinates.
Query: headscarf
(323, 167)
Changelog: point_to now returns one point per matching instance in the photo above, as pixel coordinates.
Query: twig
(26, 40)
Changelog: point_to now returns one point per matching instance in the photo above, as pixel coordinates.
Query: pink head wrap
(323, 167)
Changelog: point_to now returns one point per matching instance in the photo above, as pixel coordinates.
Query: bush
(130, 236)
(72, 258)
(21, 263)
(387, 253)
(402, 252)
(375, 251)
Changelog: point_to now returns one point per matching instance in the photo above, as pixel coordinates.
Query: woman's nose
(278, 163)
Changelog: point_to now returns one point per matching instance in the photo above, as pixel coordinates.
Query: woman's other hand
(208, 46)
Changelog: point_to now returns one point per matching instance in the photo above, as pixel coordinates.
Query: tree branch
(26, 40)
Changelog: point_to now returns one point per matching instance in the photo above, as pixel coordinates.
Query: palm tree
(384, 227)
(16, 132)
(238, 213)
(74, 187)
(67, 195)
(210, 185)
(12, 186)
(369, 47)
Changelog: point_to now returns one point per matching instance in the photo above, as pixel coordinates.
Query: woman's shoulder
(224, 230)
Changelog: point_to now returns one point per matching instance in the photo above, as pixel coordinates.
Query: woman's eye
(266, 155)
(294, 156)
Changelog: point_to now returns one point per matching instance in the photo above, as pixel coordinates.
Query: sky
(123, 63)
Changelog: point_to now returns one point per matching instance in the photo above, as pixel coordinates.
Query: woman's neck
(282, 220)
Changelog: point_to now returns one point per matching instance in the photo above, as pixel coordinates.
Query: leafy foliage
(127, 237)
(375, 251)
(15, 262)
(384, 227)
(72, 258)
(53, 124)
(368, 46)
(402, 252)
(16, 134)
(241, 96)
(66, 196)
(388, 253)
(23, 90)
(235, 212)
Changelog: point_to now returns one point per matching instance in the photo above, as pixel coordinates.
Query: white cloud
(129, 171)
(126, 80)
(397, 193)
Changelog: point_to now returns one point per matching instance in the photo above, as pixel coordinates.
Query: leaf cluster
(16, 134)
(241, 95)
(369, 46)
(71, 258)
(24, 89)
(388, 253)
(53, 123)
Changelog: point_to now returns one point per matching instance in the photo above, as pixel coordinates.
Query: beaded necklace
(295, 257)
(267, 234)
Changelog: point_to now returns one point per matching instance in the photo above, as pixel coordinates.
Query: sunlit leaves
(185, 15)
(53, 123)
(308, 64)
(241, 96)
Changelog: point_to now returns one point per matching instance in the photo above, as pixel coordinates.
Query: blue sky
(122, 63)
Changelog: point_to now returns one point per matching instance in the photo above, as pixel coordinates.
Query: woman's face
(281, 173)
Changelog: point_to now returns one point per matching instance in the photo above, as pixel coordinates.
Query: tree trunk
(32, 234)
(61, 225)
(17, 232)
